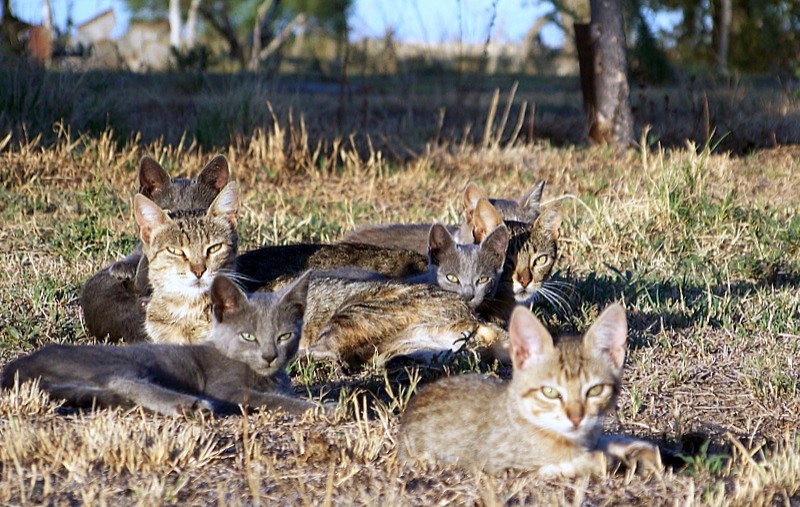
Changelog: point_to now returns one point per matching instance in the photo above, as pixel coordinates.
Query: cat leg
(126, 268)
(638, 456)
(158, 399)
(587, 463)
(277, 401)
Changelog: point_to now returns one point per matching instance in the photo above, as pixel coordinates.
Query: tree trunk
(724, 35)
(605, 87)
(191, 23)
(175, 24)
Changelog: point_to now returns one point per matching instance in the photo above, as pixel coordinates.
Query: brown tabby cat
(185, 251)
(358, 321)
(243, 363)
(548, 418)
(113, 299)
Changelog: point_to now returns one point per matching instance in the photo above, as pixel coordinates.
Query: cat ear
(149, 216)
(439, 241)
(226, 298)
(609, 334)
(532, 200)
(550, 221)
(216, 173)
(497, 241)
(296, 293)
(472, 194)
(485, 219)
(226, 204)
(152, 177)
(528, 337)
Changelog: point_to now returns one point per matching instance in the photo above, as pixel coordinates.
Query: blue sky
(424, 21)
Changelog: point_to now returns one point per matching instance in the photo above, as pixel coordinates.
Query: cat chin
(526, 298)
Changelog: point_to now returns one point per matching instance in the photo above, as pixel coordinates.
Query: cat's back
(412, 237)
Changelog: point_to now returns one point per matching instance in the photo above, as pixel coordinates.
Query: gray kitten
(114, 298)
(242, 363)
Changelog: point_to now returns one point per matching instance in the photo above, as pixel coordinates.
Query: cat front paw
(638, 456)
(197, 407)
(123, 270)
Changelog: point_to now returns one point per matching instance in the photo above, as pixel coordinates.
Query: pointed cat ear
(472, 194)
(216, 173)
(527, 336)
(152, 177)
(533, 198)
(439, 241)
(609, 335)
(550, 221)
(149, 216)
(226, 204)
(226, 298)
(485, 219)
(497, 241)
(296, 293)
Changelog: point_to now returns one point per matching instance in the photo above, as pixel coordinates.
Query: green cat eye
(452, 278)
(550, 392)
(484, 280)
(595, 390)
(540, 260)
(174, 251)
(248, 337)
(214, 249)
(285, 337)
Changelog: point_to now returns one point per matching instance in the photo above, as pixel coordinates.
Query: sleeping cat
(185, 251)
(414, 236)
(114, 298)
(242, 363)
(548, 418)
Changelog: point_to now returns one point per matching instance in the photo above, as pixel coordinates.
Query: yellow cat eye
(595, 390)
(541, 260)
(285, 337)
(484, 280)
(248, 337)
(452, 278)
(174, 251)
(550, 392)
(214, 249)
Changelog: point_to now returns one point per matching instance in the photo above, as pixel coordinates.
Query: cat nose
(575, 415)
(268, 356)
(198, 269)
(525, 278)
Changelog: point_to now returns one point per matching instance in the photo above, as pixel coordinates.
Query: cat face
(471, 271)
(567, 387)
(186, 249)
(183, 193)
(262, 331)
(531, 258)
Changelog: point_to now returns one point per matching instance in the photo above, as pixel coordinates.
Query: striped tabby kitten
(243, 363)
(355, 320)
(185, 251)
(113, 300)
(548, 418)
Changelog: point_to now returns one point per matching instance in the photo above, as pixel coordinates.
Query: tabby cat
(250, 343)
(185, 251)
(113, 299)
(359, 321)
(548, 418)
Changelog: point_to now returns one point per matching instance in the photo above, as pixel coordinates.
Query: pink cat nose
(198, 270)
(576, 419)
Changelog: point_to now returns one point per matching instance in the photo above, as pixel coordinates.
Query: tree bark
(724, 35)
(175, 24)
(608, 106)
(191, 23)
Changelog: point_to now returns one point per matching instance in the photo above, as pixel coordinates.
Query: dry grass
(703, 248)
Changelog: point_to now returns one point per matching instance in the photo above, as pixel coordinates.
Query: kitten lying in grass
(113, 299)
(242, 363)
(548, 418)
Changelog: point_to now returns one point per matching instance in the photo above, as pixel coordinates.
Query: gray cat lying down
(242, 363)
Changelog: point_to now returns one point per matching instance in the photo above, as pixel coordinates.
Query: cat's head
(532, 256)
(524, 209)
(471, 271)
(183, 193)
(186, 249)
(262, 330)
(567, 386)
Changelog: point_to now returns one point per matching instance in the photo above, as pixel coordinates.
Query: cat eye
(175, 251)
(248, 337)
(452, 278)
(595, 391)
(484, 280)
(550, 392)
(284, 337)
(540, 260)
(214, 249)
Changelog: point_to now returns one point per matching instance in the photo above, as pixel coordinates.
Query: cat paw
(638, 456)
(199, 406)
(122, 270)
(591, 463)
